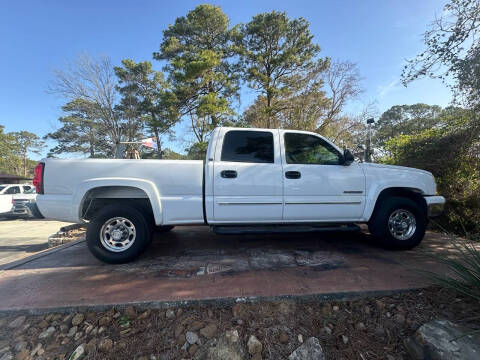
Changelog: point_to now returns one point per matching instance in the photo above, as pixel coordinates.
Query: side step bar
(280, 229)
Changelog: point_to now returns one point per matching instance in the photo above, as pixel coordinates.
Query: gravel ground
(371, 328)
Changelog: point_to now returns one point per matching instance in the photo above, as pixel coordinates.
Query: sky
(40, 36)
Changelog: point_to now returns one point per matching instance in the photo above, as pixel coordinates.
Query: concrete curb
(214, 302)
(38, 255)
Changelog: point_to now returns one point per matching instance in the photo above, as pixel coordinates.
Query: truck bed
(178, 182)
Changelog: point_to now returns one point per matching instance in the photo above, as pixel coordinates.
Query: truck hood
(373, 166)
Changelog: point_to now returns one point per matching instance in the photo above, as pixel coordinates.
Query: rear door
(247, 177)
(317, 187)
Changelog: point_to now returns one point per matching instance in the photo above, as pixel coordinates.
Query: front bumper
(435, 205)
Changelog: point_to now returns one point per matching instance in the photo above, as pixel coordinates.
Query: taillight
(38, 178)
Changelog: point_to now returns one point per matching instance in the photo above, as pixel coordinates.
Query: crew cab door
(247, 177)
(317, 187)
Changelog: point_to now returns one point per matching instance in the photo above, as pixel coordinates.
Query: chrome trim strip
(324, 203)
(353, 192)
(249, 203)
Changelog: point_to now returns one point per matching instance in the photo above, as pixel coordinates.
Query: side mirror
(347, 157)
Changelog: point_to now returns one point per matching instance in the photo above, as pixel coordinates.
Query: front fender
(147, 186)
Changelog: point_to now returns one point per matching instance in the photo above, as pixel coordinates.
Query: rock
(23, 355)
(360, 326)
(367, 310)
(442, 339)
(21, 345)
(72, 331)
(191, 337)
(130, 312)
(78, 335)
(179, 312)
(310, 350)
(91, 346)
(195, 325)
(254, 346)
(239, 311)
(78, 353)
(390, 357)
(67, 318)
(300, 338)
(335, 308)
(7, 356)
(232, 336)
(43, 324)
(36, 349)
(257, 356)
(345, 339)
(181, 339)
(105, 345)
(221, 349)
(101, 329)
(379, 330)
(4, 349)
(17, 322)
(327, 330)
(380, 304)
(178, 330)
(47, 333)
(78, 319)
(192, 349)
(399, 319)
(170, 314)
(144, 315)
(88, 329)
(209, 331)
(105, 320)
(283, 338)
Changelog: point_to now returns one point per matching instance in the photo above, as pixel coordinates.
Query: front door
(317, 187)
(247, 179)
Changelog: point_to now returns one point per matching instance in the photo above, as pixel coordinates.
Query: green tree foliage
(276, 52)
(81, 132)
(9, 148)
(27, 142)
(405, 120)
(199, 51)
(147, 97)
(452, 49)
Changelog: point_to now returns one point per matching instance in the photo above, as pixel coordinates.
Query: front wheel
(118, 234)
(398, 223)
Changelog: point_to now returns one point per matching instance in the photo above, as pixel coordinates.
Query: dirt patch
(63, 237)
(372, 328)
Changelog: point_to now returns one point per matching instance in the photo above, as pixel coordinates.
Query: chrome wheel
(402, 224)
(117, 234)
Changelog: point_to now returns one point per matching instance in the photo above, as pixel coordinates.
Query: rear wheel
(118, 234)
(398, 223)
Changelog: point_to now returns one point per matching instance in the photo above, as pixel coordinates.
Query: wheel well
(97, 198)
(411, 193)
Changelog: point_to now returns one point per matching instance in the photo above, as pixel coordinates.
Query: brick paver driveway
(191, 263)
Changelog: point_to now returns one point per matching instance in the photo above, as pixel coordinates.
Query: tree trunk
(159, 145)
(25, 164)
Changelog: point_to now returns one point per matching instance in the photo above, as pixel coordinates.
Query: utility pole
(368, 150)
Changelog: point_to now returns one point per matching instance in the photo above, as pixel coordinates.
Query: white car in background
(7, 193)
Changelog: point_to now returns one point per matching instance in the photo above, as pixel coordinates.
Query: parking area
(191, 263)
(23, 237)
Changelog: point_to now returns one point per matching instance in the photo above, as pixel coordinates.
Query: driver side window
(309, 149)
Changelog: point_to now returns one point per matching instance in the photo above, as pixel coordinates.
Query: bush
(451, 153)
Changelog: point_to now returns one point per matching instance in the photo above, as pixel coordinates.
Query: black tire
(163, 228)
(379, 223)
(35, 212)
(135, 217)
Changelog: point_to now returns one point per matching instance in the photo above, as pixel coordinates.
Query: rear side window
(248, 146)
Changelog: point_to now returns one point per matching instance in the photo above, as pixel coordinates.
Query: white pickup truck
(253, 180)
